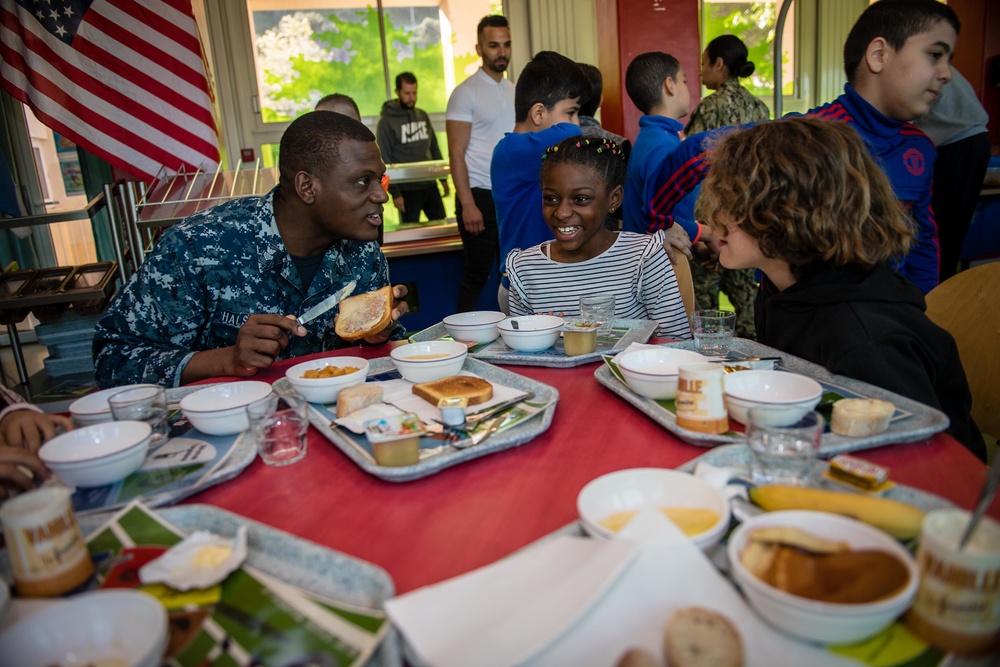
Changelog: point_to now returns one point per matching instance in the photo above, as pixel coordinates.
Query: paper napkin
(664, 577)
(506, 612)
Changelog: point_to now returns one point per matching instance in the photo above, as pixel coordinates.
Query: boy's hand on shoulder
(27, 429)
(674, 239)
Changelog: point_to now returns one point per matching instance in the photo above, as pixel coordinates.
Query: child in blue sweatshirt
(546, 107)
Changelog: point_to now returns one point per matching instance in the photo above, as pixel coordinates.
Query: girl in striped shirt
(582, 184)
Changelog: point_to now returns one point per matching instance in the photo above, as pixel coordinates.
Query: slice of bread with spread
(364, 314)
(474, 390)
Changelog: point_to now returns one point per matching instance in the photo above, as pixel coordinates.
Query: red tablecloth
(472, 514)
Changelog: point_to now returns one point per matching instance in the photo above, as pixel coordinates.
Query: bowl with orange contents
(320, 380)
(820, 576)
(698, 509)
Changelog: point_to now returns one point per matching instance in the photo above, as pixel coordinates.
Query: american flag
(124, 79)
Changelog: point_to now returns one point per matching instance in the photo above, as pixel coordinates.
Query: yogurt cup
(395, 440)
(580, 337)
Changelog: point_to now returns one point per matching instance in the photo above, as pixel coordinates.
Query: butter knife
(326, 304)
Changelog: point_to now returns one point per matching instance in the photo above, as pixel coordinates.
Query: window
(754, 21)
(302, 50)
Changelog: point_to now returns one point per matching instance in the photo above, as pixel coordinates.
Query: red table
(475, 513)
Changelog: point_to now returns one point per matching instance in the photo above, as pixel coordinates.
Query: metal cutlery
(476, 438)
(473, 420)
(986, 497)
(327, 303)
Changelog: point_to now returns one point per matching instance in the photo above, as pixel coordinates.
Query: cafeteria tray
(309, 566)
(914, 421)
(738, 456)
(242, 454)
(357, 448)
(624, 333)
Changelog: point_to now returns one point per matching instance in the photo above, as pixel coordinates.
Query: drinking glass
(712, 331)
(279, 427)
(598, 308)
(144, 403)
(783, 454)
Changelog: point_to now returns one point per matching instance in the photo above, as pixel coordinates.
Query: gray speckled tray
(738, 456)
(357, 448)
(243, 454)
(304, 564)
(920, 421)
(625, 332)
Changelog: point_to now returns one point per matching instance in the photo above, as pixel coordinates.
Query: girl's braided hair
(602, 155)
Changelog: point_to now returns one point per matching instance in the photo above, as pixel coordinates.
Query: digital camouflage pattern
(205, 277)
(740, 286)
(730, 104)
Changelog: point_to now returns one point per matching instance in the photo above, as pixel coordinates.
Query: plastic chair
(967, 306)
(682, 269)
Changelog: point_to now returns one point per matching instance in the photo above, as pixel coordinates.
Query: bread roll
(698, 637)
(858, 417)
(352, 399)
(364, 314)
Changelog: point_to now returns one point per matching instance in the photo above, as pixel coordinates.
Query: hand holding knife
(326, 304)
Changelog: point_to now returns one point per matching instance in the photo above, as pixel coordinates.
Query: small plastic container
(395, 440)
(453, 410)
(580, 337)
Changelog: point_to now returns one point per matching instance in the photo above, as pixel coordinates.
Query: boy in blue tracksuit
(897, 59)
(546, 107)
(656, 84)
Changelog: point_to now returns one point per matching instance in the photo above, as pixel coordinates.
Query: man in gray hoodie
(405, 134)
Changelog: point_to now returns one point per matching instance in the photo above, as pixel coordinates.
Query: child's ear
(615, 198)
(875, 54)
(670, 86)
(537, 114)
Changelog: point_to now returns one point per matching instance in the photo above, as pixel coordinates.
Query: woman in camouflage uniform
(723, 63)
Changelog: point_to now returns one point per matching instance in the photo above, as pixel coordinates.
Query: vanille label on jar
(47, 551)
(701, 404)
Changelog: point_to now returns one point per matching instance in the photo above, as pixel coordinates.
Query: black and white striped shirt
(635, 269)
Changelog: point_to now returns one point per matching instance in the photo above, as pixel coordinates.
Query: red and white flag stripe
(124, 79)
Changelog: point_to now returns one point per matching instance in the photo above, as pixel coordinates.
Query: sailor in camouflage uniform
(722, 64)
(220, 290)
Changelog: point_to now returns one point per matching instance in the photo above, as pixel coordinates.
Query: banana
(900, 520)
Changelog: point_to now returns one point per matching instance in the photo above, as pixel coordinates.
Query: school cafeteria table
(475, 513)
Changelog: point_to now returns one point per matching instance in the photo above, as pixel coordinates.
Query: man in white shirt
(480, 112)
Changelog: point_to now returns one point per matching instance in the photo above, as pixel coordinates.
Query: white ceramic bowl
(118, 626)
(221, 408)
(325, 390)
(652, 373)
(430, 360)
(534, 333)
(478, 326)
(94, 409)
(790, 396)
(825, 622)
(97, 455)
(657, 488)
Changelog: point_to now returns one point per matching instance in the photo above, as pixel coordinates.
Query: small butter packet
(201, 560)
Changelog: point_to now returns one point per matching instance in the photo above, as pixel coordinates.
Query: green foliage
(304, 55)
(754, 23)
